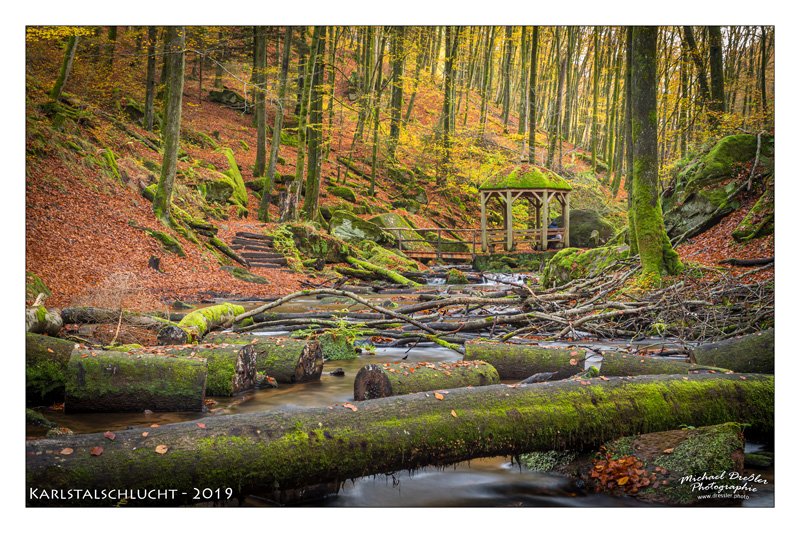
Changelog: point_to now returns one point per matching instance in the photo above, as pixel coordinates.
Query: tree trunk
(66, 67)
(259, 92)
(629, 140)
(263, 209)
(694, 53)
(655, 250)
(172, 122)
(41, 320)
(487, 79)
(379, 381)
(99, 315)
(386, 273)
(287, 360)
(288, 449)
(231, 367)
(595, 96)
(717, 102)
(519, 361)
(398, 60)
(150, 83)
(376, 114)
(507, 77)
(311, 198)
(108, 382)
(749, 353)
(196, 324)
(451, 48)
(532, 97)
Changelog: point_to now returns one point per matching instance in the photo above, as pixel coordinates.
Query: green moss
(123, 347)
(283, 242)
(168, 242)
(350, 228)
(345, 193)
(239, 190)
(289, 138)
(245, 275)
(546, 461)
(197, 323)
(337, 346)
(721, 161)
(35, 418)
(456, 277)
(314, 243)
(574, 263)
(110, 164)
(34, 286)
(408, 233)
(525, 177)
(760, 220)
(383, 257)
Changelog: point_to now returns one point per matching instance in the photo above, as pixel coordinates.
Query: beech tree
(175, 40)
(655, 250)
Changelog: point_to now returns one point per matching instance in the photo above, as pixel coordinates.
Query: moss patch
(345, 193)
(525, 177)
(245, 275)
(168, 242)
(574, 263)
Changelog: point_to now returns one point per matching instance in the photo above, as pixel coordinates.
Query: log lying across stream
(286, 359)
(391, 379)
(196, 324)
(295, 448)
(103, 382)
(519, 361)
(748, 353)
(46, 360)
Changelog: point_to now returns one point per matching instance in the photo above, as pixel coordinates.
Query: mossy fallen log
(231, 368)
(196, 324)
(46, 361)
(391, 275)
(285, 359)
(519, 361)
(102, 382)
(394, 379)
(748, 353)
(299, 447)
(99, 315)
(41, 320)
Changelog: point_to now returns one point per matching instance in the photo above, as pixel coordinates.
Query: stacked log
(392, 379)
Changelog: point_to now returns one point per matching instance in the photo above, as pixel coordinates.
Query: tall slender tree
(398, 60)
(150, 83)
(451, 49)
(311, 199)
(66, 67)
(171, 132)
(655, 250)
(259, 93)
(717, 103)
(532, 96)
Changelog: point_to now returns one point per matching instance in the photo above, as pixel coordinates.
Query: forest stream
(493, 481)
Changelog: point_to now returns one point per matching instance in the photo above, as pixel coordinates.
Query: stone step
(254, 236)
(261, 255)
(251, 242)
(280, 261)
(252, 248)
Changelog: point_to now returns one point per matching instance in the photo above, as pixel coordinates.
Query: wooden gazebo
(539, 186)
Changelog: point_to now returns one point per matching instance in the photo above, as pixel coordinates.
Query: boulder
(393, 220)
(345, 193)
(314, 243)
(388, 259)
(229, 98)
(350, 228)
(574, 263)
(587, 228)
(760, 220)
(409, 204)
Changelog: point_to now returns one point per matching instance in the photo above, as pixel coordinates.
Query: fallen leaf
(154, 425)
(201, 425)
(66, 451)
(604, 378)
(162, 449)
(669, 450)
(145, 433)
(97, 450)
(350, 406)
(743, 377)
(453, 412)
(573, 362)
(621, 481)
(438, 396)
(109, 435)
(50, 350)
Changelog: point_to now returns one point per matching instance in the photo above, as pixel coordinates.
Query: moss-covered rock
(229, 98)
(217, 191)
(456, 277)
(588, 228)
(239, 190)
(408, 233)
(409, 204)
(388, 259)
(345, 193)
(167, 241)
(574, 263)
(245, 275)
(316, 244)
(350, 228)
(760, 220)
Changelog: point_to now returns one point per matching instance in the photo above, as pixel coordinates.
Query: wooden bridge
(465, 244)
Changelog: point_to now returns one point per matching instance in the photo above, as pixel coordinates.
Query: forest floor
(80, 234)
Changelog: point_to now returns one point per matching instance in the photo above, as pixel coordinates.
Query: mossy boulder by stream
(393, 220)
(389, 259)
(350, 228)
(701, 195)
(312, 242)
(574, 263)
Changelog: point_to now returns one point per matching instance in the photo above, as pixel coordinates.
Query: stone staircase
(258, 250)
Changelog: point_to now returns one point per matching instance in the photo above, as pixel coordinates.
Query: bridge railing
(472, 240)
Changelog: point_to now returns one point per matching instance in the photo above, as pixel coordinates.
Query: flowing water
(493, 481)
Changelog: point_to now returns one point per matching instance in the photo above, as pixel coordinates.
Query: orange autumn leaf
(145, 433)
(154, 425)
(109, 435)
(453, 413)
(623, 480)
(201, 425)
(66, 451)
(162, 449)
(350, 406)
(573, 362)
(96, 451)
(438, 396)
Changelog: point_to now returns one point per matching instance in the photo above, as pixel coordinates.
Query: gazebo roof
(525, 177)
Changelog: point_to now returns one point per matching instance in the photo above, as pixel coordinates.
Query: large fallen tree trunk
(390, 275)
(519, 361)
(196, 324)
(231, 368)
(103, 382)
(46, 361)
(99, 315)
(295, 448)
(749, 353)
(392, 379)
(285, 359)
(39, 319)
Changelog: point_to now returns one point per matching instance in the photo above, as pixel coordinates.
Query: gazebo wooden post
(566, 220)
(484, 239)
(545, 216)
(509, 223)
